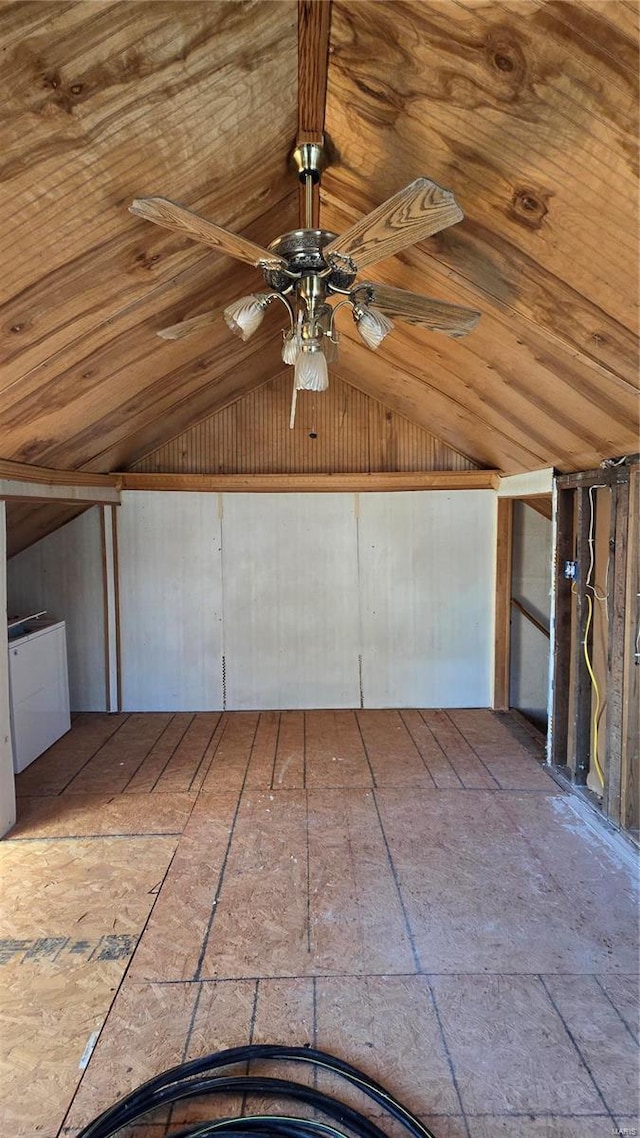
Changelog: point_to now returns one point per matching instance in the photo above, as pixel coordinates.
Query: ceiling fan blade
(436, 315)
(187, 327)
(172, 216)
(420, 210)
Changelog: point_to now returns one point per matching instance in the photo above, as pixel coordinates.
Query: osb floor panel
(409, 890)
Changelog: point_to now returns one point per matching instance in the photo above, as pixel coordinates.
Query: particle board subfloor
(409, 890)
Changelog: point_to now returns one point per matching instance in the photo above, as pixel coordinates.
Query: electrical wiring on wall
(601, 598)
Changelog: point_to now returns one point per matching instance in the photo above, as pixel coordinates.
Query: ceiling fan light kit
(309, 268)
(245, 316)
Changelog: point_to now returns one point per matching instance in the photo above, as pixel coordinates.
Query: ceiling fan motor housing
(302, 250)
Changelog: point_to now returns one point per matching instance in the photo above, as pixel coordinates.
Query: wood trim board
(321, 483)
(502, 656)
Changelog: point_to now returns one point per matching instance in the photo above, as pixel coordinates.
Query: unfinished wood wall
(7, 790)
(594, 736)
(340, 430)
(630, 807)
(64, 574)
(531, 588)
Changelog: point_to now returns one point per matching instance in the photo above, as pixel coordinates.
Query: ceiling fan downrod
(310, 159)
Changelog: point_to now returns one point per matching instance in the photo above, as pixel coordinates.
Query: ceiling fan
(308, 268)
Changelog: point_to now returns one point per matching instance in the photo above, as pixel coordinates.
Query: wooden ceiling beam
(20, 481)
(318, 483)
(542, 505)
(44, 476)
(314, 25)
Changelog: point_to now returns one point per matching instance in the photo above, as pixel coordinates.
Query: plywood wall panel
(290, 601)
(170, 590)
(426, 598)
(63, 573)
(343, 429)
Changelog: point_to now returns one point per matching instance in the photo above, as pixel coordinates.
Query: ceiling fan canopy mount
(310, 159)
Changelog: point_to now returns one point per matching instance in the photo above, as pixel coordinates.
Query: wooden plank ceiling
(526, 109)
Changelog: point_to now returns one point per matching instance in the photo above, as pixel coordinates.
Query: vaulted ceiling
(526, 109)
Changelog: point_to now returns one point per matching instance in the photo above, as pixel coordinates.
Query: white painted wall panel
(427, 573)
(170, 601)
(7, 782)
(290, 601)
(63, 574)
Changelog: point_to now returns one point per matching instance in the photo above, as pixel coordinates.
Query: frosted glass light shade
(311, 371)
(245, 315)
(291, 347)
(372, 324)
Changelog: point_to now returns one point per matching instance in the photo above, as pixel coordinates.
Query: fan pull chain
(294, 399)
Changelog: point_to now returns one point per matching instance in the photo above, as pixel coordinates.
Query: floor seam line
(494, 780)
(449, 1056)
(143, 761)
(97, 751)
(178, 742)
(415, 745)
(275, 752)
(576, 1047)
(204, 754)
(117, 991)
(403, 909)
(596, 977)
(366, 752)
(441, 748)
(216, 895)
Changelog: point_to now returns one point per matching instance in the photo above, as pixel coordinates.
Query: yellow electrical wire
(596, 713)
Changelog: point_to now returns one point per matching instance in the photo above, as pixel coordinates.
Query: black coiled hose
(196, 1079)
